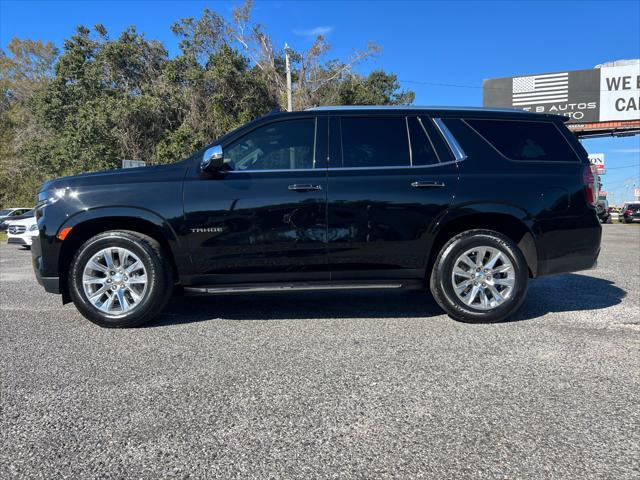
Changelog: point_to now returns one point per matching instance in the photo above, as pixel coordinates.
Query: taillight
(589, 182)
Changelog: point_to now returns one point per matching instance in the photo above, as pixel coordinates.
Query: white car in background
(7, 214)
(21, 232)
(12, 212)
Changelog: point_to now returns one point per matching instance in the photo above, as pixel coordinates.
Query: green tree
(102, 100)
(25, 69)
(378, 88)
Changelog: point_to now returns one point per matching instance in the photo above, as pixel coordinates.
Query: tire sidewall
(151, 263)
(455, 306)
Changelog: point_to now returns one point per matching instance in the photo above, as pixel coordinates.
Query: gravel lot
(317, 385)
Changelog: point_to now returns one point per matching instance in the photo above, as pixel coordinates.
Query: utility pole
(288, 68)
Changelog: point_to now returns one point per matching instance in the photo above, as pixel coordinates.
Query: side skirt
(300, 286)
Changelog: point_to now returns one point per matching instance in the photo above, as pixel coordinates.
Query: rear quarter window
(526, 140)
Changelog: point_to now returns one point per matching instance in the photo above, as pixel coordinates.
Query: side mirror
(212, 159)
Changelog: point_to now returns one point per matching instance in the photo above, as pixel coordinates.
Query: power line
(457, 85)
(621, 182)
(437, 84)
(625, 166)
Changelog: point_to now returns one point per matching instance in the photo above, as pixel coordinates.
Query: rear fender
(509, 219)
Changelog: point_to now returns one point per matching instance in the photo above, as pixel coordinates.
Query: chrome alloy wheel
(483, 277)
(115, 280)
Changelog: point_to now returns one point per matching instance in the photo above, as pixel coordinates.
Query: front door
(390, 178)
(264, 218)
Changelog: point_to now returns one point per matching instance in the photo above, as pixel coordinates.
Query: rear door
(390, 178)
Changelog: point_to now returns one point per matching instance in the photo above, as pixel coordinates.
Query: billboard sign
(597, 160)
(620, 93)
(606, 94)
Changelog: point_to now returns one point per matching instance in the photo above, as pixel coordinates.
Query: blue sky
(431, 45)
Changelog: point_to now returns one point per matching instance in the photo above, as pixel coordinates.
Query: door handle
(430, 184)
(304, 187)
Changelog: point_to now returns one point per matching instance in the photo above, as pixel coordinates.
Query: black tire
(158, 271)
(442, 286)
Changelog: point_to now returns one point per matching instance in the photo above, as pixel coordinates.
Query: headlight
(49, 197)
(33, 227)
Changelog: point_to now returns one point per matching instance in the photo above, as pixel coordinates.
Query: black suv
(469, 203)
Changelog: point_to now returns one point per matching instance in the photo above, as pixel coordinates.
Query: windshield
(4, 212)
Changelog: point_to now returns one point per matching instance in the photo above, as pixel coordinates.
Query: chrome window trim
(386, 167)
(406, 122)
(405, 167)
(315, 140)
(433, 147)
(281, 170)
(455, 147)
(324, 169)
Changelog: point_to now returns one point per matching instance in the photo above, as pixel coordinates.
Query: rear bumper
(572, 248)
(575, 262)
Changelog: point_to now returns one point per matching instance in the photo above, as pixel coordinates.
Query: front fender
(115, 212)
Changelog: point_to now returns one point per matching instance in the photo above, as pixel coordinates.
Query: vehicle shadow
(568, 293)
(563, 293)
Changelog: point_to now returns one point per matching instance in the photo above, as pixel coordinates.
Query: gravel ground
(317, 385)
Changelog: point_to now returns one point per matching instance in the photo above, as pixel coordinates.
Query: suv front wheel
(480, 276)
(120, 279)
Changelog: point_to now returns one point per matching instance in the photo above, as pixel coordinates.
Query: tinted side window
(287, 145)
(422, 152)
(524, 140)
(374, 142)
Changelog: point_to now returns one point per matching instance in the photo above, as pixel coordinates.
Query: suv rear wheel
(480, 276)
(120, 279)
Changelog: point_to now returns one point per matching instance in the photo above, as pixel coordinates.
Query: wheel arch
(506, 219)
(92, 222)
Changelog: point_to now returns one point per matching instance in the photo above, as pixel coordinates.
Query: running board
(290, 287)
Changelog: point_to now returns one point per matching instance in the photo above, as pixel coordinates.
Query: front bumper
(50, 284)
(20, 240)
